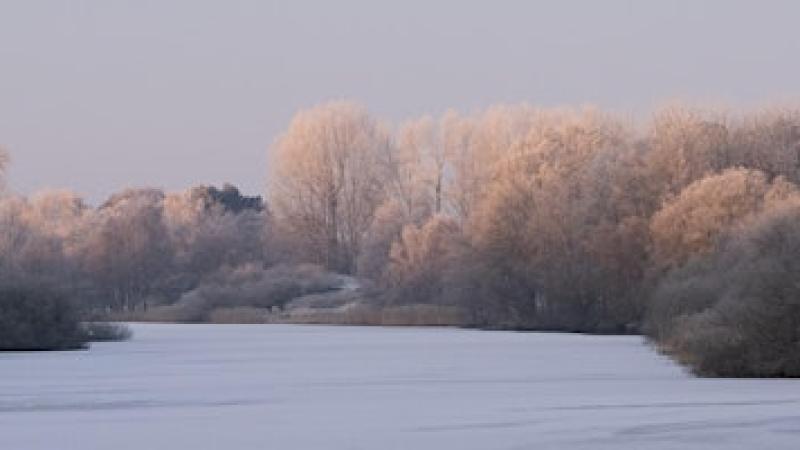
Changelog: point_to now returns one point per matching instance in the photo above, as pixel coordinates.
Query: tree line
(681, 226)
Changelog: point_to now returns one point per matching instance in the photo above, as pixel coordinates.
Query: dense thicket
(513, 217)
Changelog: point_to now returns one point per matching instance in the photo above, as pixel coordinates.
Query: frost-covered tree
(418, 260)
(686, 144)
(37, 236)
(543, 218)
(387, 225)
(328, 174)
(689, 224)
(209, 231)
(769, 141)
(475, 145)
(125, 251)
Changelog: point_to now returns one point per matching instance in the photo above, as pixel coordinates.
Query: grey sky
(100, 95)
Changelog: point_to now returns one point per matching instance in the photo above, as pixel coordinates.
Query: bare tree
(686, 144)
(125, 251)
(206, 233)
(327, 180)
(769, 140)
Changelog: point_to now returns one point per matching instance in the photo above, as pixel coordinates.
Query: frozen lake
(288, 387)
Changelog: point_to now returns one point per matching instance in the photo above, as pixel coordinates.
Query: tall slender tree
(327, 180)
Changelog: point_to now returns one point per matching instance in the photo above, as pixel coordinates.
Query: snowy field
(288, 387)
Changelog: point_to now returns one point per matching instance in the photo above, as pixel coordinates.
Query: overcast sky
(100, 95)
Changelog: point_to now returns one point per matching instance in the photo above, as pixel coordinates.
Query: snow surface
(282, 387)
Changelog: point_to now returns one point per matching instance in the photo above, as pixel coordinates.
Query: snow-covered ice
(286, 387)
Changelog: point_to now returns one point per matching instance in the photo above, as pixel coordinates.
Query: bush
(237, 292)
(34, 318)
(239, 315)
(738, 315)
(370, 314)
(107, 331)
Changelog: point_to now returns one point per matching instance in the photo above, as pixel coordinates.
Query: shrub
(107, 331)
(34, 318)
(236, 292)
(239, 314)
(739, 316)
